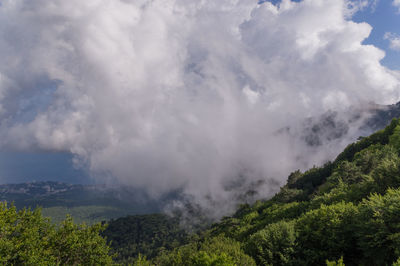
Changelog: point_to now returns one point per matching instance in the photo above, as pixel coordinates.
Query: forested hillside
(144, 234)
(347, 211)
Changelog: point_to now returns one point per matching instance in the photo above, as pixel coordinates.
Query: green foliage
(387, 173)
(380, 137)
(293, 177)
(278, 212)
(80, 244)
(144, 234)
(326, 233)
(335, 263)
(212, 251)
(394, 138)
(273, 245)
(26, 238)
(203, 259)
(374, 169)
(341, 192)
(270, 212)
(141, 261)
(313, 178)
(287, 195)
(379, 228)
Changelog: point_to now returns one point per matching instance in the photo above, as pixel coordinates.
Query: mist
(207, 97)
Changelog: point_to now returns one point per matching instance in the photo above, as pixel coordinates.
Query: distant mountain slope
(382, 115)
(85, 203)
(331, 125)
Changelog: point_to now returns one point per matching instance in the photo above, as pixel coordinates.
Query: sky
(209, 97)
(384, 17)
(20, 167)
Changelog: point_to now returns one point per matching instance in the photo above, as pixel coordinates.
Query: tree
(379, 228)
(273, 245)
(212, 251)
(80, 244)
(26, 238)
(327, 233)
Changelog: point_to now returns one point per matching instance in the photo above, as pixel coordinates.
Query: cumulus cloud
(394, 40)
(176, 94)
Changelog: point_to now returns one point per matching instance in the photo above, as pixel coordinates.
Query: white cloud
(394, 40)
(396, 3)
(156, 93)
(354, 6)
